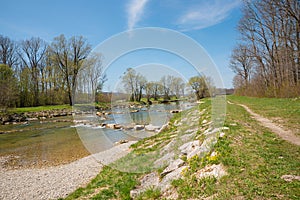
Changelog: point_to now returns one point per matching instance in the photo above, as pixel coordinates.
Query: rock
(164, 160)
(175, 111)
(187, 137)
(128, 127)
(117, 126)
(169, 147)
(164, 127)
(222, 134)
(32, 119)
(216, 171)
(166, 181)
(113, 126)
(138, 127)
(151, 127)
(122, 142)
(204, 148)
(148, 181)
(290, 178)
(189, 147)
(107, 113)
(173, 166)
(204, 121)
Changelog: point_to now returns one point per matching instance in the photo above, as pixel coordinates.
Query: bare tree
(241, 63)
(134, 83)
(270, 30)
(201, 86)
(32, 53)
(178, 87)
(8, 51)
(69, 56)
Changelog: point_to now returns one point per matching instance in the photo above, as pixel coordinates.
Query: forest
(35, 73)
(266, 57)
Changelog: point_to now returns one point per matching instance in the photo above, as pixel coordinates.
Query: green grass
(109, 184)
(285, 112)
(99, 105)
(41, 108)
(254, 158)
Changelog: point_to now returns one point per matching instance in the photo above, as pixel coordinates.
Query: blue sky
(212, 23)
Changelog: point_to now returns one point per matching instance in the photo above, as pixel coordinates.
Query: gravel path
(56, 182)
(284, 134)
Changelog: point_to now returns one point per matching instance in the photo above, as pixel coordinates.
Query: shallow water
(48, 143)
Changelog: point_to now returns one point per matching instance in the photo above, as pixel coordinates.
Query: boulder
(151, 127)
(189, 147)
(138, 127)
(113, 126)
(216, 171)
(175, 111)
(174, 175)
(148, 181)
(173, 166)
(164, 160)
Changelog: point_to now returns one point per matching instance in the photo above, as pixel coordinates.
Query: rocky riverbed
(59, 181)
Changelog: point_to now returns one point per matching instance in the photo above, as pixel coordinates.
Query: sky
(210, 23)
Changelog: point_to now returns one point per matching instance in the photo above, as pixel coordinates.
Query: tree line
(266, 59)
(34, 72)
(137, 86)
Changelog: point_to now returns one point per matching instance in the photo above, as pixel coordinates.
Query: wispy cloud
(135, 10)
(206, 13)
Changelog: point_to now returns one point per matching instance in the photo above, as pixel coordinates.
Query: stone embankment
(32, 116)
(185, 144)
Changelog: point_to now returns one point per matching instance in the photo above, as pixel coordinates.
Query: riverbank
(59, 181)
(248, 161)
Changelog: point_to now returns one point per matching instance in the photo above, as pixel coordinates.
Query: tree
(8, 51)
(134, 83)
(271, 31)
(241, 63)
(8, 87)
(91, 78)
(32, 53)
(201, 86)
(69, 55)
(177, 87)
(166, 86)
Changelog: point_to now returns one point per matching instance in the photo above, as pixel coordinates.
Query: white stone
(151, 127)
(138, 127)
(173, 166)
(216, 171)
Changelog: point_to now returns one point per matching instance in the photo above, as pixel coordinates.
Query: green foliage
(149, 194)
(201, 85)
(8, 87)
(109, 184)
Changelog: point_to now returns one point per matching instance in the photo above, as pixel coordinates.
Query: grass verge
(254, 158)
(285, 112)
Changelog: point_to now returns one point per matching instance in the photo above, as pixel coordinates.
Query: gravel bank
(55, 182)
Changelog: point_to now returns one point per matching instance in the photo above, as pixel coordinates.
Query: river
(59, 141)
